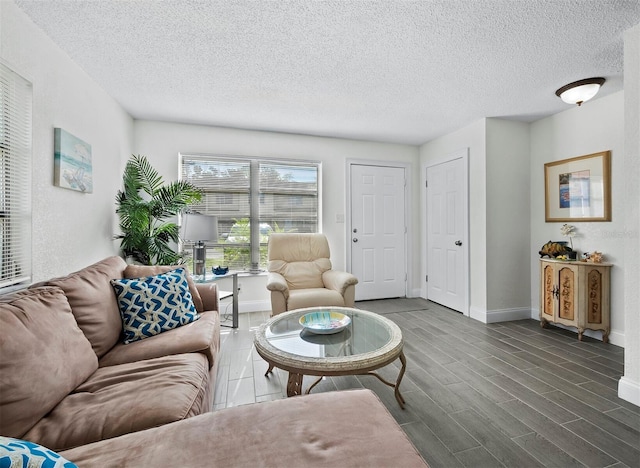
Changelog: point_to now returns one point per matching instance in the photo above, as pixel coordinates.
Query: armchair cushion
(302, 298)
(307, 274)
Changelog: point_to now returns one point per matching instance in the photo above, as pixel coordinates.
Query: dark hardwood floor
(506, 394)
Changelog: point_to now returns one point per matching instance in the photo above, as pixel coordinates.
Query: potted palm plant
(143, 206)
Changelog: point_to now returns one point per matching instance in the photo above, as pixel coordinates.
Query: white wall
(508, 213)
(473, 137)
(498, 214)
(629, 387)
(161, 142)
(596, 126)
(70, 229)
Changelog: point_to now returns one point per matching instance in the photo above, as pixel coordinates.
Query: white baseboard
(500, 315)
(535, 314)
(629, 390)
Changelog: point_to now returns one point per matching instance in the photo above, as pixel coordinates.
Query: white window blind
(15, 178)
(252, 197)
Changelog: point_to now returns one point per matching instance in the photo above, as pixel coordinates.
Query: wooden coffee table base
(294, 383)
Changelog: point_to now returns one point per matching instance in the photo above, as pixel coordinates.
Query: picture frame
(72, 162)
(578, 189)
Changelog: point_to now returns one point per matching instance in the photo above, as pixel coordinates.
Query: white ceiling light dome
(580, 91)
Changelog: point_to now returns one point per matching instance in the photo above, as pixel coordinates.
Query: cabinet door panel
(594, 298)
(548, 282)
(568, 294)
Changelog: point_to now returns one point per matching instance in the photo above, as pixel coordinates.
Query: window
(15, 178)
(251, 198)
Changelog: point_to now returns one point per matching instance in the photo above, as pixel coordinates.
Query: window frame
(16, 149)
(256, 200)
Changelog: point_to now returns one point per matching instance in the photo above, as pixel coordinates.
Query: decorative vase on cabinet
(575, 294)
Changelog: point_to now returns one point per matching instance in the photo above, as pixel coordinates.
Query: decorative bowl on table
(325, 322)
(218, 271)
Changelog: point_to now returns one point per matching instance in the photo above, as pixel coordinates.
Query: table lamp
(199, 228)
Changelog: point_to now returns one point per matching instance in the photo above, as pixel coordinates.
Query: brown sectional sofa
(67, 379)
(68, 383)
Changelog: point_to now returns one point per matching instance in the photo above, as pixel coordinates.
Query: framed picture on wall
(578, 189)
(72, 167)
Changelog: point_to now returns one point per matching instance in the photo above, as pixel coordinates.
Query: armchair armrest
(338, 280)
(209, 294)
(276, 282)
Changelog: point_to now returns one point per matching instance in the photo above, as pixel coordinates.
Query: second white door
(446, 234)
(378, 231)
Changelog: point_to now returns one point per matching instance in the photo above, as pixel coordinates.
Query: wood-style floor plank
(507, 394)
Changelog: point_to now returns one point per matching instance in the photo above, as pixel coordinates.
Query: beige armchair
(300, 274)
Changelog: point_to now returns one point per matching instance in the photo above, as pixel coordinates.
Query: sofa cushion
(126, 398)
(154, 304)
(15, 452)
(201, 336)
(349, 428)
(140, 271)
(43, 356)
(93, 302)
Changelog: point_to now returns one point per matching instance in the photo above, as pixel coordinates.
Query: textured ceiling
(396, 71)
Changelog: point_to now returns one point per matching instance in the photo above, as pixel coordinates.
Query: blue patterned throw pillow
(16, 453)
(154, 304)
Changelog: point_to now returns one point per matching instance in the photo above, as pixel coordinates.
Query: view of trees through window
(248, 194)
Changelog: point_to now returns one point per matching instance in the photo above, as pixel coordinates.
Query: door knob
(458, 242)
(355, 239)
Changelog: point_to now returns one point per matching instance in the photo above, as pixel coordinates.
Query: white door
(446, 234)
(378, 254)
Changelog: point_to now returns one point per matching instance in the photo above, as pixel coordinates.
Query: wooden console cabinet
(576, 294)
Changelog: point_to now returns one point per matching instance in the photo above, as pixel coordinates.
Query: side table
(234, 293)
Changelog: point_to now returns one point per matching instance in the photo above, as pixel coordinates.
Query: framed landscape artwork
(578, 189)
(72, 162)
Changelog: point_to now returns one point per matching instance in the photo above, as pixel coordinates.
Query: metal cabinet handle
(458, 242)
(355, 239)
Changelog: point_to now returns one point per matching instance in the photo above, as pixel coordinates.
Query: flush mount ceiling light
(580, 91)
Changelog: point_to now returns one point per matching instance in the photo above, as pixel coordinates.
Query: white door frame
(408, 219)
(464, 155)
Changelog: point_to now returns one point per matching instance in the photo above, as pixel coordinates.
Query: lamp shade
(198, 227)
(580, 91)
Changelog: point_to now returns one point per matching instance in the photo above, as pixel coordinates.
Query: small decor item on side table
(219, 270)
(555, 249)
(593, 257)
(569, 231)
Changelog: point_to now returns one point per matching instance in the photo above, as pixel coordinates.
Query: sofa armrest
(338, 280)
(209, 294)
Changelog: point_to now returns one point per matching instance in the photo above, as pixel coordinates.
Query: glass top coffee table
(369, 342)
